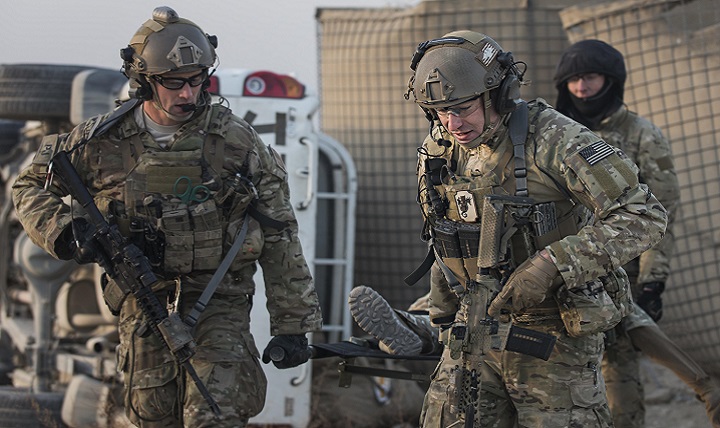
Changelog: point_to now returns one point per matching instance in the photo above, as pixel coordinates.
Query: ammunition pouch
(545, 224)
(457, 244)
(587, 310)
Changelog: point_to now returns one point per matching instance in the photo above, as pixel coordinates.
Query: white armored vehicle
(57, 338)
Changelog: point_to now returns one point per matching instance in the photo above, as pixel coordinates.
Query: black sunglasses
(175, 83)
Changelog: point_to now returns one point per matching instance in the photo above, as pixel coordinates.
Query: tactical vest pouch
(469, 238)
(545, 224)
(179, 238)
(587, 310)
(207, 235)
(447, 244)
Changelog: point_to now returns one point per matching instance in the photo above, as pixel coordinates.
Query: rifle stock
(131, 271)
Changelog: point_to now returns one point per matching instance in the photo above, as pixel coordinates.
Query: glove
(66, 246)
(650, 300)
(528, 286)
(287, 350)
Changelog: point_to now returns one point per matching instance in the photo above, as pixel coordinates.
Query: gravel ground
(669, 402)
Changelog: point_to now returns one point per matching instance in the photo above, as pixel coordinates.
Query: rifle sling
(100, 128)
(421, 270)
(207, 294)
(518, 129)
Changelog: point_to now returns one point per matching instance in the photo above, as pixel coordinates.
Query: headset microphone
(188, 107)
(443, 142)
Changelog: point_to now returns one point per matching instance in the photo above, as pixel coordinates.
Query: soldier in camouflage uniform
(563, 278)
(590, 79)
(171, 139)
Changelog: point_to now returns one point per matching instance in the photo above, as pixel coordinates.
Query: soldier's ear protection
(506, 96)
(139, 88)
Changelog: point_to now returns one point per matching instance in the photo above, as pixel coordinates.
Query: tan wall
(672, 51)
(364, 70)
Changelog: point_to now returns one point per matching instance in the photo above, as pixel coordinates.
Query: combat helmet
(463, 65)
(165, 43)
(591, 56)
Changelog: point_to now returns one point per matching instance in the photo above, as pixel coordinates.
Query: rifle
(503, 218)
(130, 269)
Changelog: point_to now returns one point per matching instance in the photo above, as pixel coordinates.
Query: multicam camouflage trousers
(518, 390)
(160, 394)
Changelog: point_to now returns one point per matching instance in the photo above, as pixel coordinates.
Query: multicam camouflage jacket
(645, 145)
(605, 216)
(132, 177)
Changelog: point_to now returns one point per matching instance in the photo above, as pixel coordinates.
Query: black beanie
(588, 56)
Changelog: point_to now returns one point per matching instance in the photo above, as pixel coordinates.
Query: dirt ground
(669, 402)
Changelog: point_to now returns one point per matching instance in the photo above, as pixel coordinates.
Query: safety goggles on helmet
(462, 110)
(175, 83)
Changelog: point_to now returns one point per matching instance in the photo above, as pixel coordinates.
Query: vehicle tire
(9, 134)
(6, 358)
(20, 408)
(36, 91)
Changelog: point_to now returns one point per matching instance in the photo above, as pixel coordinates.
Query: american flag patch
(596, 152)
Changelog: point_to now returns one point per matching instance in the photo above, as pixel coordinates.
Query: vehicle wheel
(9, 134)
(6, 358)
(36, 91)
(20, 408)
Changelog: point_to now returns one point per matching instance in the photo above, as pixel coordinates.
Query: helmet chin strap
(158, 106)
(490, 127)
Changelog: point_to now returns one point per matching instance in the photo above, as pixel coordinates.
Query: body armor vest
(457, 229)
(174, 194)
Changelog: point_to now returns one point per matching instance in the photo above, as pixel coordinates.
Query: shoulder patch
(47, 149)
(596, 152)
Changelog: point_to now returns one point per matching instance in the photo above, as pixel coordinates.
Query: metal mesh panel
(672, 52)
(364, 70)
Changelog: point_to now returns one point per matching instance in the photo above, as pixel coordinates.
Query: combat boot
(376, 317)
(708, 391)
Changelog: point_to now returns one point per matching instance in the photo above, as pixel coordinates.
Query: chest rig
(472, 222)
(172, 198)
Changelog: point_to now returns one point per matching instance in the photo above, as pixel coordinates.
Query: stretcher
(354, 348)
